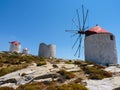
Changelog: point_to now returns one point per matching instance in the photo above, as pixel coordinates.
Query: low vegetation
(41, 63)
(6, 88)
(68, 87)
(69, 62)
(65, 74)
(11, 68)
(78, 80)
(23, 74)
(33, 86)
(51, 86)
(96, 73)
(93, 70)
(10, 62)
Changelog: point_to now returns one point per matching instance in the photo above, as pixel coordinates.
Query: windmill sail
(80, 31)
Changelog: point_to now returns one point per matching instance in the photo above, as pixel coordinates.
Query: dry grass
(11, 68)
(51, 86)
(65, 74)
(68, 87)
(6, 88)
(33, 86)
(10, 62)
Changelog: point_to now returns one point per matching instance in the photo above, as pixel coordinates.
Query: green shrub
(6, 88)
(11, 68)
(18, 58)
(58, 60)
(68, 87)
(33, 86)
(23, 74)
(10, 62)
(77, 62)
(41, 63)
(66, 75)
(96, 73)
(69, 62)
(78, 87)
(42, 58)
(60, 80)
(1, 64)
(78, 80)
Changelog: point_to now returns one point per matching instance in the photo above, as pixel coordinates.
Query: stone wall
(47, 50)
(101, 49)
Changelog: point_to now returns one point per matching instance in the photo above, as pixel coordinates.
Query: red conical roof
(15, 42)
(96, 30)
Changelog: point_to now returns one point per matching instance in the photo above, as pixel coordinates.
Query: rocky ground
(107, 83)
(49, 71)
(31, 73)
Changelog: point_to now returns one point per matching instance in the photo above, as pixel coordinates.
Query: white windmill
(99, 44)
(25, 51)
(15, 46)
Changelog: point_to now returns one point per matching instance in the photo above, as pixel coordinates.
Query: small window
(111, 37)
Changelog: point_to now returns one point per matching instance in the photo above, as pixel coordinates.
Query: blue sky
(32, 22)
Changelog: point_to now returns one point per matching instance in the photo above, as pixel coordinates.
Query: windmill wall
(101, 49)
(52, 50)
(25, 51)
(47, 50)
(15, 46)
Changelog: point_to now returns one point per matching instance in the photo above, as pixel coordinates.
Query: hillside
(28, 72)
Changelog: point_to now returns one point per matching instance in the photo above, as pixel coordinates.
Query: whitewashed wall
(99, 48)
(15, 48)
(25, 51)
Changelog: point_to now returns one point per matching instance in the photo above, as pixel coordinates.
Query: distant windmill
(48, 51)
(99, 44)
(81, 30)
(15, 46)
(25, 51)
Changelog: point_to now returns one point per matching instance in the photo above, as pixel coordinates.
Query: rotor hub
(81, 32)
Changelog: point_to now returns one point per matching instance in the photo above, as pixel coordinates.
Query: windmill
(81, 29)
(99, 44)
